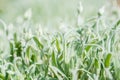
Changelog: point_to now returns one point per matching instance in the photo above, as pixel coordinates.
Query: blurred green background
(48, 11)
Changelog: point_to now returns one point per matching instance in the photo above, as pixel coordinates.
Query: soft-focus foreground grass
(83, 51)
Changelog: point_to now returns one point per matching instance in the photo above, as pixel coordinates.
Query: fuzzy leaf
(38, 43)
(107, 60)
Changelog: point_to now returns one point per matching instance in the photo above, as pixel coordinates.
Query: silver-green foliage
(86, 52)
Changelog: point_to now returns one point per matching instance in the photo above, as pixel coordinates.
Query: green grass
(87, 51)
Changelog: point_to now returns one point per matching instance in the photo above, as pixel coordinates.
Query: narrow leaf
(40, 46)
(107, 60)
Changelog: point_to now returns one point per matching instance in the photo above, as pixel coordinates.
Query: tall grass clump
(86, 51)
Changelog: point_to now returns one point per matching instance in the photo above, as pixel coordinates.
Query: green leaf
(96, 63)
(117, 24)
(6, 76)
(46, 70)
(66, 69)
(60, 66)
(38, 43)
(94, 25)
(58, 72)
(11, 51)
(88, 48)
(15, 37)
(60, 57)
(33, 58)
(11, 48)
(53, 59)
(57, 45)
(28, 51)
(2, 76)
(107, 60)
(18, 46)
(53, 79)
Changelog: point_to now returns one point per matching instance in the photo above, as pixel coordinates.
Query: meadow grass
(89, 51)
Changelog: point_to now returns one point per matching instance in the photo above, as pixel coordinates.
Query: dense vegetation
(83, 51)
